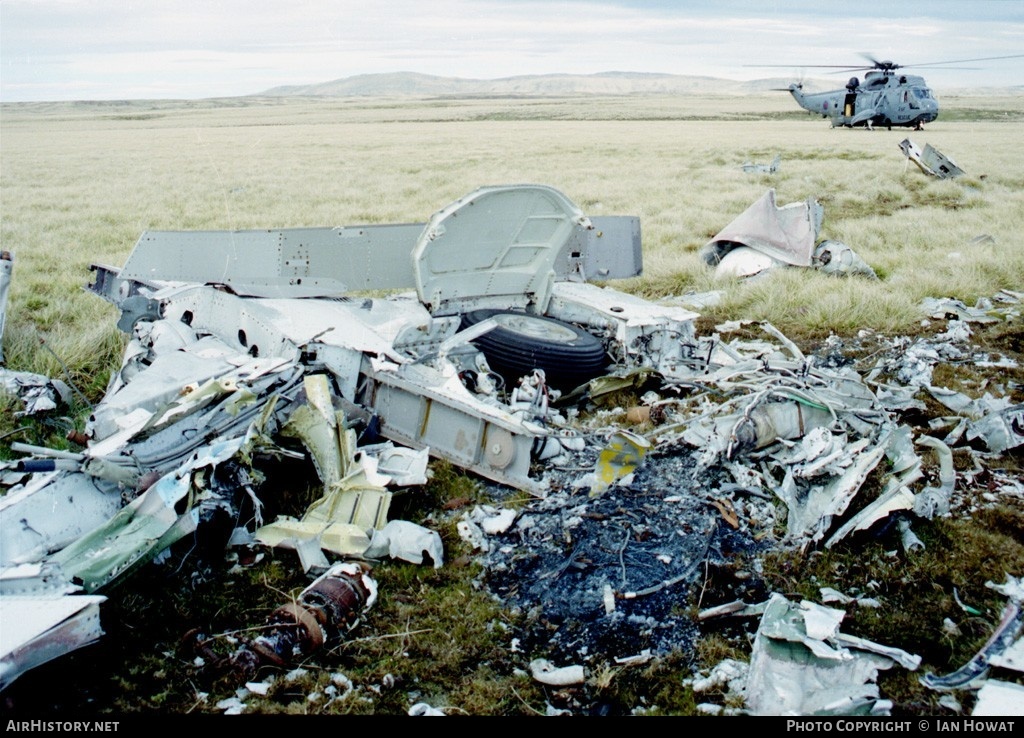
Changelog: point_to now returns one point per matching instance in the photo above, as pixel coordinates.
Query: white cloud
(67, 49)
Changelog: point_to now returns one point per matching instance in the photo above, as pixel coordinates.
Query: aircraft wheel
(568, 355)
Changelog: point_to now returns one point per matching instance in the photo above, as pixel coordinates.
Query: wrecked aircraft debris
(38, 394)
(802, 664)
(6, 267)
(322, 613)
(930, 161)
(1003, 652)
(772, 168)
(253, 348)
(259, 345)
(766, 236)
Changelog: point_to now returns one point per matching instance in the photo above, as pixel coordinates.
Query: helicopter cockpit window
(919, 94)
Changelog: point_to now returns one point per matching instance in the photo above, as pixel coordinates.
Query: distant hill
(399, 84)
(413, 84)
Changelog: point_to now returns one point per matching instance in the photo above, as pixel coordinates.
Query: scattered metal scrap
(801, 664)
(930, 160)
(763, 422)
(1004, 650)
(772, 168)
(996, 421)
(37, 393)
(711, 464)
(767, 236)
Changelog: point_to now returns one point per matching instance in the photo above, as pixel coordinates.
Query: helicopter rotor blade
(847, 70)
(964, 61)
(888, 65)
(875, 64)
(812, 66)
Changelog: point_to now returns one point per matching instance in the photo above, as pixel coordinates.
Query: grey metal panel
(51, 511)
(497, 242)
(609, 250)
(293, 262)
(326, 262)
(494, 446)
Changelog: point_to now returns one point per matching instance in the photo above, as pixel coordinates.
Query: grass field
(79, 182)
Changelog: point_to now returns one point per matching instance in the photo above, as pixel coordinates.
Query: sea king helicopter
(884, 97)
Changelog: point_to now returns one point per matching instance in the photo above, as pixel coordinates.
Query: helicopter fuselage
(883, 99)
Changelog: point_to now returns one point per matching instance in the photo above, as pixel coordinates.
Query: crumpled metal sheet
(41, 627)
(404, 540)
(835, 257)
(982, 312)
(766, 236)
(771, 168)
(811, 511)
(801, 664)
(786, 234)
(37, 393)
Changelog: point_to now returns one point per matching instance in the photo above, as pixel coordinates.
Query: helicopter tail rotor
(798, 85)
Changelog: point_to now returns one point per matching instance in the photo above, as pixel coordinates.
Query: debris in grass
(236, 393)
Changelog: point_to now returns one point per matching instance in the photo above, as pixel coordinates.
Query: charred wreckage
(368, 349)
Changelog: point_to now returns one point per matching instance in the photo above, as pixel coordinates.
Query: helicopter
(884, 97)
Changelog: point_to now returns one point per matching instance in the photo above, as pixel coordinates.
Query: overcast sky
(191, 49)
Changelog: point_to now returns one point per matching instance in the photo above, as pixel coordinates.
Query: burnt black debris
(617, 575)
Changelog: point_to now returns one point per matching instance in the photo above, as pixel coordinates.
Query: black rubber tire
(568, 355)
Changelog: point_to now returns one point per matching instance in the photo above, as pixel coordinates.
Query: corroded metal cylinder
(323, 612)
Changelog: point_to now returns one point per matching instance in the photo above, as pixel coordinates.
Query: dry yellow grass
(81, 181)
